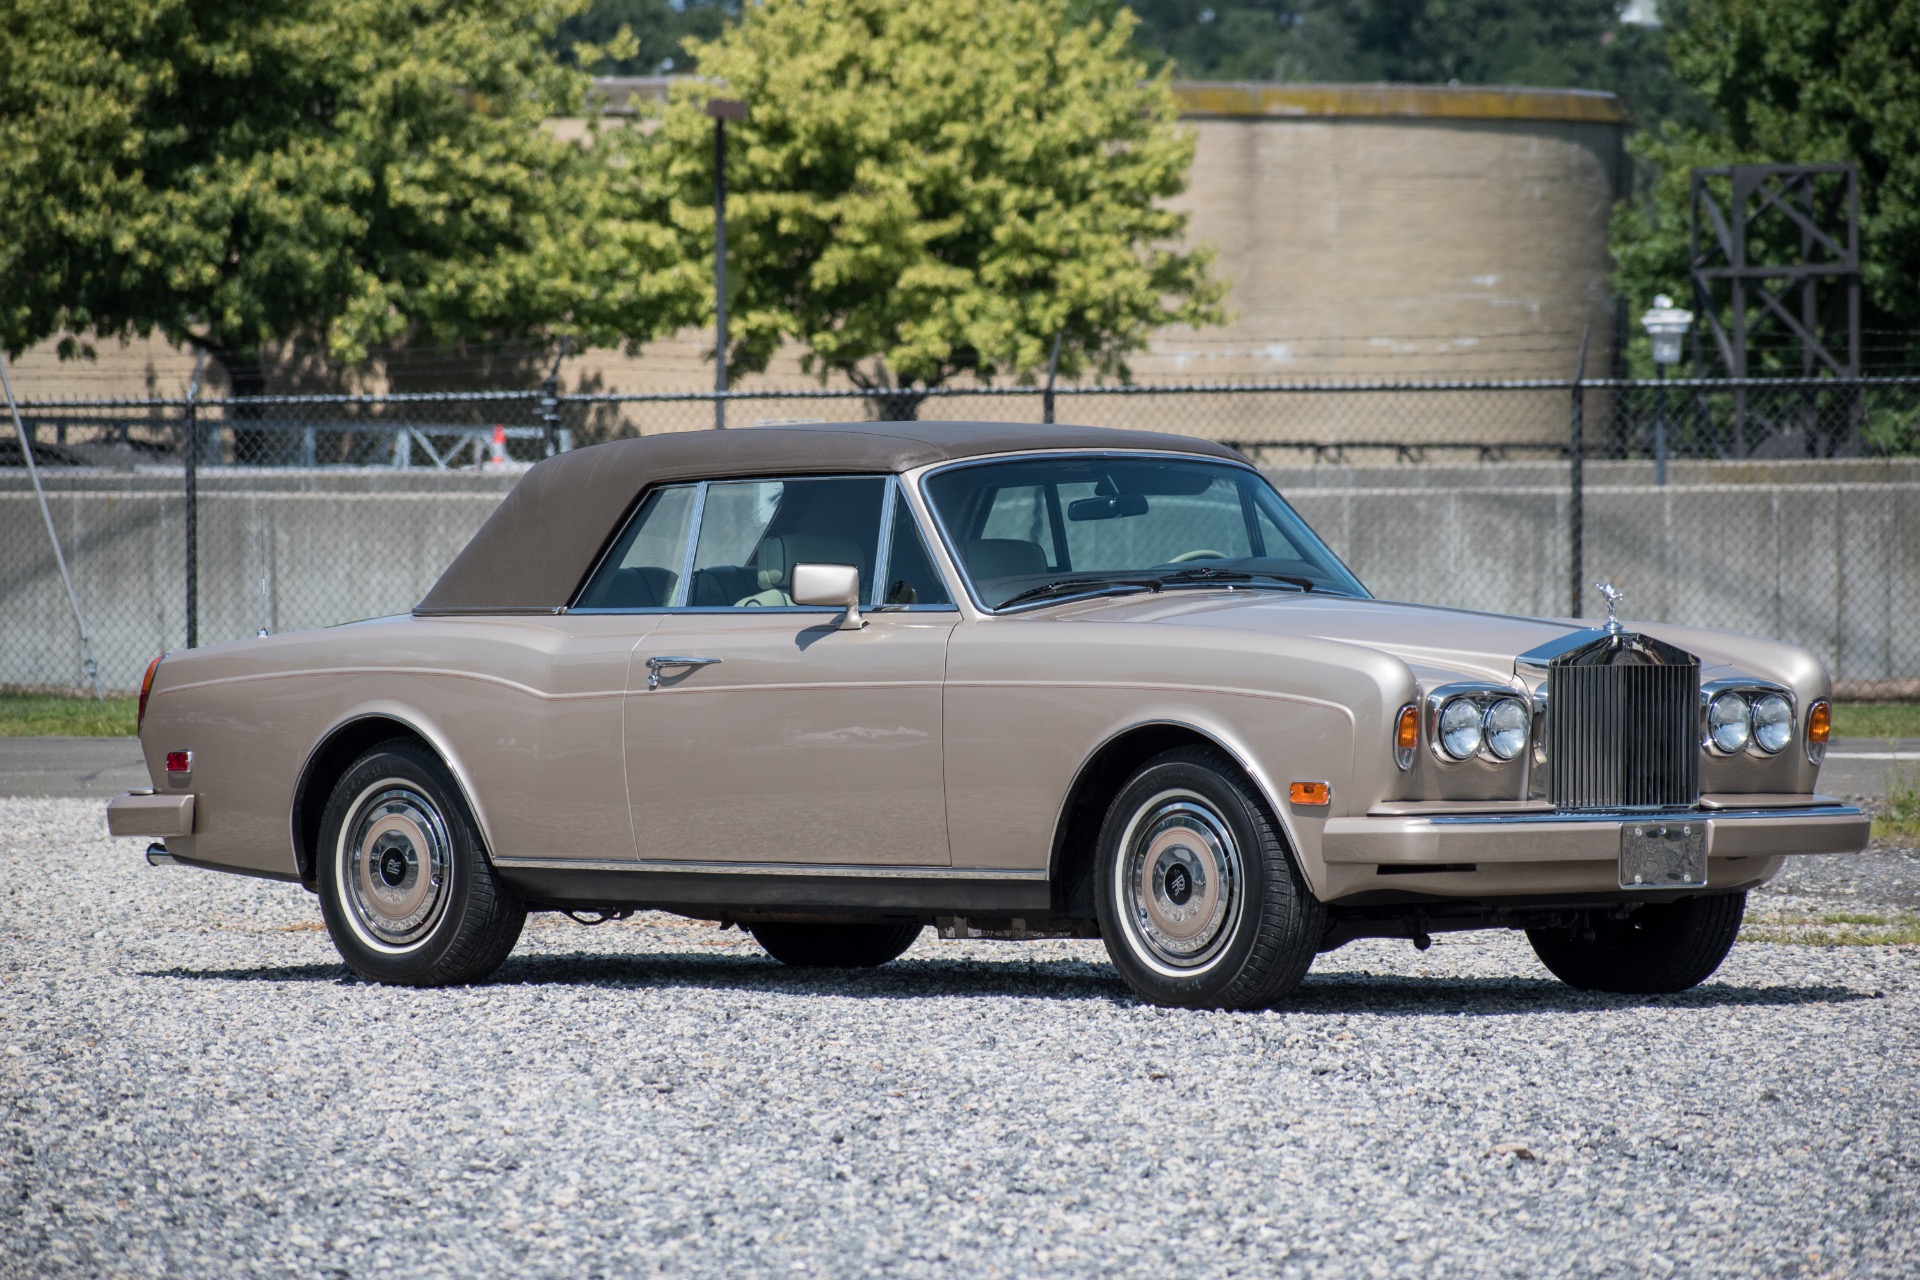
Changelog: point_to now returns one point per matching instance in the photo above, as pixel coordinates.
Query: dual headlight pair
(1496, 726)
(1736, 719)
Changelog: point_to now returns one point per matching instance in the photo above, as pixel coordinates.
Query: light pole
(722, 110)
(1666, 324)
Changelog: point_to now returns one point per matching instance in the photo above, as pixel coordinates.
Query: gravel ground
(193, 1086)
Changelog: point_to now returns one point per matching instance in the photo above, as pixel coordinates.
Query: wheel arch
(343, 743)
(1100, 777)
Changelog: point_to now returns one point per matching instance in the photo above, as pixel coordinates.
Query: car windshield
(1046, 529)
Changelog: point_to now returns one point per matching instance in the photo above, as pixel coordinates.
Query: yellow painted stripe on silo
(1406, 101)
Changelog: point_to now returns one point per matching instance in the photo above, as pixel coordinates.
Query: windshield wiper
(1081, 586)
(1204, 574)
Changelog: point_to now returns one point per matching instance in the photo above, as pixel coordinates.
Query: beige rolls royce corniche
(840, 683)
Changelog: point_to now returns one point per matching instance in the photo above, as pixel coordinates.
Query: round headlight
(1772, 723)
(1507, 725)
(1728, 723)
(1460, 728)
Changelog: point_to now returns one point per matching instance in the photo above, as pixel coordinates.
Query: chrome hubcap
(394, 859)
(1179, 883)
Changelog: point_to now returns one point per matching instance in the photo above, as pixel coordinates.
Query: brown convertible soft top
(534, 552)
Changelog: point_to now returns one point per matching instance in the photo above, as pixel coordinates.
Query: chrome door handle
(656, 665)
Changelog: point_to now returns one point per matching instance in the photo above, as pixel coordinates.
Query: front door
(784, 738)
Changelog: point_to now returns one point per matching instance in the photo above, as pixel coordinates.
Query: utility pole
(722, 110)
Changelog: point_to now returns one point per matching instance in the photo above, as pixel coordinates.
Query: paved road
(107, 766)
(102, 767)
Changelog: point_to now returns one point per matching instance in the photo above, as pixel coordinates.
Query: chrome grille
(1624, 736)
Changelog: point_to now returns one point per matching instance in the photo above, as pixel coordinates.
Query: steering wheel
(1201, 553)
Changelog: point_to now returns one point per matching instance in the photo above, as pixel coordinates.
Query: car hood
(1435, 641)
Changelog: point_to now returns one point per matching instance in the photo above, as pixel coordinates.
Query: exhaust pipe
(157, 855)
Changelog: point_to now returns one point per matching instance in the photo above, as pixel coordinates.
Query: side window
(752, 533)
(643, 569)
(911, 577)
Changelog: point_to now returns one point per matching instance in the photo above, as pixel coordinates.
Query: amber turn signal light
(1406, 736)
(146, 687)
(1819, 729)
(1311, 794)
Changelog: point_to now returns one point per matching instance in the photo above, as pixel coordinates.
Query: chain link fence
(1789, 508)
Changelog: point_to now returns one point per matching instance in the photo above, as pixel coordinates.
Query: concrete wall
(1831, 565)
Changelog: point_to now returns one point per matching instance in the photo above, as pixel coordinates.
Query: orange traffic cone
(499, 456)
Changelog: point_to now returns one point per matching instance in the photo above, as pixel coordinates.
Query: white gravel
(192, 1086)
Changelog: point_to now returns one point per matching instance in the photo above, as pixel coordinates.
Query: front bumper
(1533, 837)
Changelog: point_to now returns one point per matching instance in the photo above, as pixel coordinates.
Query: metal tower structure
(1776, 265)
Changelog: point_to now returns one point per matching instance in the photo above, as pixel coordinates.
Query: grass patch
(1832, 929)
(1876, 719)
(58, 715)
(1900, 816)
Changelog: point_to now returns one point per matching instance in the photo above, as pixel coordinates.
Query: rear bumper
(147, 814)
(1582, 837)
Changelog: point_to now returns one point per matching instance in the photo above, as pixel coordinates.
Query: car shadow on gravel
(1065, 980)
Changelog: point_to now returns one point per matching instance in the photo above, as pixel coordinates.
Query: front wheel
(834, 946)
(1200, 903)
(405, 885)
(1661, 948)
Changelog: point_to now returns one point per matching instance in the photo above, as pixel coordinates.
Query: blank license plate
(1663, 854)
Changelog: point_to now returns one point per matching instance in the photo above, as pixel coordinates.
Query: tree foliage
(925, 190)
(232, 173)
(660, 29)
(1793, 84)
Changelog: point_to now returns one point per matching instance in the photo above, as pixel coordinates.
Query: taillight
(146, 687)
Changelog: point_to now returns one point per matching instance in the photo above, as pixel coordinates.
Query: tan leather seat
(1003, 557)
(776, 556)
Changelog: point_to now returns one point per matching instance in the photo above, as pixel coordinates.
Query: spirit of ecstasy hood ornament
(1614, 596)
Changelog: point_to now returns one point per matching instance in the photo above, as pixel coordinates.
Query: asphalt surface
(106, 767)
(192, 1085)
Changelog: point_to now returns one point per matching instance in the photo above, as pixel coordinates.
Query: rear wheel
(1661, 948)
(835, 946)
(1200, 903)
(407, 891)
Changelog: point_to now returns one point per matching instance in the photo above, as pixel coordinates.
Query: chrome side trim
(1635, 815)
(836, 870)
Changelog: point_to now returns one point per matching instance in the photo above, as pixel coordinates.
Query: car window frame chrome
(951, 547)
(883, 561)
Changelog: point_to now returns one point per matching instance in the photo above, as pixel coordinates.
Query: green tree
(1792, 83)
(233, 173)
(660, 29)
(924, 191)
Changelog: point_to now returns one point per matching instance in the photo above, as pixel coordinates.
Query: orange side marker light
(1820, 723)
(1310, 794)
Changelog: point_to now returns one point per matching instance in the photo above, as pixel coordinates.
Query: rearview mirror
(1125, 504)
(834, 585)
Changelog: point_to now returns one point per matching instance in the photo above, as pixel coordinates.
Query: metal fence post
(1576, 481)
(192, 469)
(550, 400)
(1053, 371)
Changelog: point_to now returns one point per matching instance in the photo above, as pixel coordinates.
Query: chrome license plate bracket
(1663, 853)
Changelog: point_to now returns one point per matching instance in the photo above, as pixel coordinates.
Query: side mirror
(835, 585)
